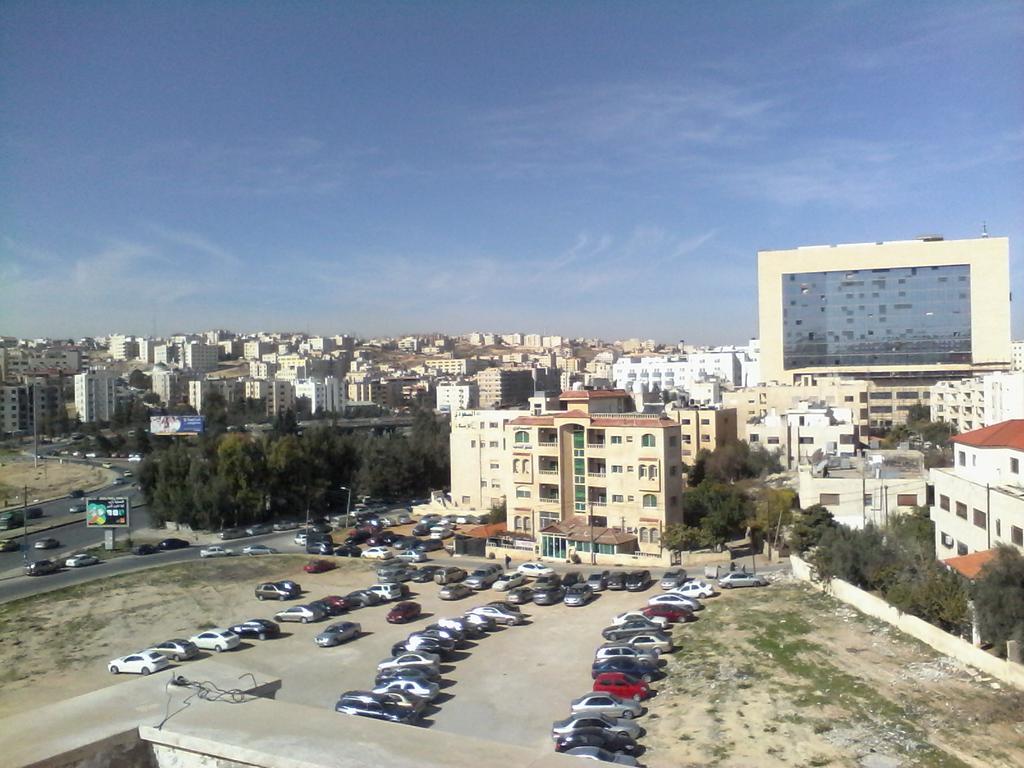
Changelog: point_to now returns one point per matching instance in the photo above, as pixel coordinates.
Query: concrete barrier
(943, 642)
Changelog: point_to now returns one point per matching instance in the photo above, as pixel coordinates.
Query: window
(906, 500)
(961, 510)
(867, 499)
(947, 540)
(472, 443)
(705, 438)
(616, 469)
(961, 548)
(650, 500)
(652, 472)
(980, 518)
(493, 425)
(629, 468)
(828, 499)
(647, 441)
(705, 422)
(773, 441)
(643, 536)
(522, 436)
(616, 498)
(465, 499)
(492, 444)
(517, 523)
(1015, 466)
(673, 470)
(616, 439)
(655, 536)
(754, 438)
(642, 471)
(806, 441)
(961, 458)
(522, 493)
(1017, 535)
(944, 502)
(673, 441)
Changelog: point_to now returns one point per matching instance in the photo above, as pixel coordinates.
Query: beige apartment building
(902, 315)
(505, 387)
(479, 457)
(454, 366)
(278, 396)
(702, 429)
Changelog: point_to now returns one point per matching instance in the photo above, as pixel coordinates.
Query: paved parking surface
(508, 686)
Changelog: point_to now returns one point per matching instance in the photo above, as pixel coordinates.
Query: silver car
(608, 704)
(575, 723)
(338, 633)
(649, 641)
(740, 579)
(301, 613)
(622, 650)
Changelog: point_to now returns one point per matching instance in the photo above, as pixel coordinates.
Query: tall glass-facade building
(891, 316)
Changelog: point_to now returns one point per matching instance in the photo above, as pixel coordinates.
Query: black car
(548, 595)
(319, 548)
(425, 574)
(348, 550)
(630, 628)
(421, 529)
(261, 629)
(407, 673)
(77, 493)
(426, 645)
(358, 537)
(458, 636)
(41, 567)
(598, 737)
(626, 664)
(571, 578)
(638, 581)
(520, 595)
(145, 549)
(429, 545)
(383, 539)
(375, 709)
(362, 598)
(547, 581)
(168, 544)
(616, 581)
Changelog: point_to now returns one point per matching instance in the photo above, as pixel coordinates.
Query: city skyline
(592, 171)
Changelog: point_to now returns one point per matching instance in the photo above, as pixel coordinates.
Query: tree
(720, 510)
(998, 596)
(809, 526)
(241, 467)
(682, 538)
(139, 380)
(773, 510)
(498, 513)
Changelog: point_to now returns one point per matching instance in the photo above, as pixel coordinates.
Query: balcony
(547, 443)
(597, 474)
(548, 471)
(595, 445)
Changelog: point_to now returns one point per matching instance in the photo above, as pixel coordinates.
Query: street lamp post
(348, 503)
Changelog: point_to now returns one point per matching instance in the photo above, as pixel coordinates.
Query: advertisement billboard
(107, 513)
(175, 425)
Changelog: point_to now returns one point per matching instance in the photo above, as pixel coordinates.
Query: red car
(336, 604)
(403, 612)
(318, 566)
(670, 612)
(622, 685)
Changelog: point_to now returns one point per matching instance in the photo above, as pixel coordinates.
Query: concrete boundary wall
(941, 641)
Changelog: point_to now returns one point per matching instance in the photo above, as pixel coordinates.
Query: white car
(423, 689)
(535, 569)
(77, 561)
(258, 549)
(216, 550)
(141, 663)
(498, 614)
(378, 553)
(216, 640)
(622, 618)
(300, 538)
(135, 458)
(412, 659)
(672, 598)
(509, 581)
(695, 589)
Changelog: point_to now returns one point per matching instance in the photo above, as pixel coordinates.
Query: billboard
(107, 513)
(175, 425)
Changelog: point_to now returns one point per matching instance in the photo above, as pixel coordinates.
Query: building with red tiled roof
(969, 566)
(979, 501)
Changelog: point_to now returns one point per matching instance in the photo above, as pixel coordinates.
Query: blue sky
(585, 168)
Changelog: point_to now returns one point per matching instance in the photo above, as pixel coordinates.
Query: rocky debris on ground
(877, 745)
(942, 668)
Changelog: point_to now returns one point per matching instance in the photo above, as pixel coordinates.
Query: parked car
(622, 618)
(508, 581)
(422, 689)
(571, 578)
(378, 553)
(286, 525)
(673, 578)
(610, 741)
(697, 589)
(176, 649)
(412, 556)
(425, 574)
(670, 613)
(622, 685)
(301, 538)
(620, 650)
(506, 605)
(499, 614)
(406, 673)
(231, 533)
(468, 628)
(319, 566)
(428, 661)
(80, 560)
(395, 572)
(348, 550)
(741, 579)
(534, 570)
(671, 598)
(429, 545)
(301, 613)
(170, 544)
(549, 580)
(141, 663)
(456, 634)
(548, 595)
(616, 581)
(218, 640)
(361, 598)
(320, 547)
(379, 710)
(145, 549)
(421, 529)
(598, 581)
(576, 722)
(215, 550)
(455, 591)
(628, 665)
(484, 623)
(630, 628)
(390, 590)
(608, 704)
(578, 595)
(449, 574)
(601, 755)
(259, 529)
(442, 531)
(638, 581)
(520, 595)
(41, 568)
(426, 641)
(33, 513)
(483, 577)
(403, 612)
(649, 641)
(261, 629)
(277, 590)
(258, 549)
(46, 543)
(338, 633)
(335, 604)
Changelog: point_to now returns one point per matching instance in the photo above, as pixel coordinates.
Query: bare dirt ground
(782, 676)
(48, 480)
